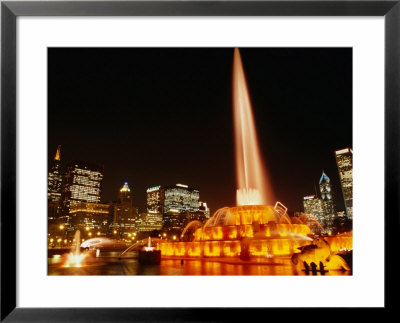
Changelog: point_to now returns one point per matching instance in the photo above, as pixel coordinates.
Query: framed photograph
(181, 154)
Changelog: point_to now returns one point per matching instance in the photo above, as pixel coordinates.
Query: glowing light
(125, 188)
(90, 234)
(115, 232)
(58, 153)
(98, 233)
(148, 247)
(154, 188)
(61, 227)
(252, 181)
(51, 240)
(87, 228)
(182, 185)
(75, 260)
(343, 151)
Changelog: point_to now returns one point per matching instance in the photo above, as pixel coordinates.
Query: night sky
(160, 116)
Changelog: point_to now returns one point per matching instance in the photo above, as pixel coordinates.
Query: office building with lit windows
(54, 186)
(180, 203)
(155, 199)
(148, 222)
(314, 206)
(124, 214)
(90, 218)
(344, 162)
(181, 198)
(82, 183)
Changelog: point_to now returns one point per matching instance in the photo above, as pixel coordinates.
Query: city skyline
(158, 147)
(317, 192)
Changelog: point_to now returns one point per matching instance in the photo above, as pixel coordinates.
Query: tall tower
(325, 188)
(125, 214)
(344, 162)
(180, 201)
(55, 178)
(82, 183)
(54, 186)
(314, 206)
(155, 199)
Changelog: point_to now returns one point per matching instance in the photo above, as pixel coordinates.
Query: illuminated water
(253, 185)
(109, 264)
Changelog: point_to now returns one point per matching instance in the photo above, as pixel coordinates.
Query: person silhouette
(313, 268)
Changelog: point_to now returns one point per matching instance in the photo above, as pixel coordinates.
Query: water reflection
(110, 264)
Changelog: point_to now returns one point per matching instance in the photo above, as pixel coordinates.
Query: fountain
(253, 228)
(149, 254)
(75, 257)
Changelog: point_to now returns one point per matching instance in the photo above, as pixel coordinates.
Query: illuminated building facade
(90, 218)
(314, 206)
(54, 186)
(328, 204)
(149, 222)
(124, 214)
(82, 183)
(155, 199)
(180, 203)
(203, 208)
(181, 198)
(344, 162)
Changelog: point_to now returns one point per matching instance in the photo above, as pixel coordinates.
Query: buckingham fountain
(256, 227)
(258, 230)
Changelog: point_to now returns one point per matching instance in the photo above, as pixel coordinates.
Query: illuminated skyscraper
(181, 198)
(155, 199)
(54, 186)
(150, 222)
(325, 187)
(314, 206)
(124, 213)
(82, 183)
(90, 218)
(344, 161)
(180, 202)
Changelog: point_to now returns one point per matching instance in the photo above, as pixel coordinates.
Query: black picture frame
(10, 10)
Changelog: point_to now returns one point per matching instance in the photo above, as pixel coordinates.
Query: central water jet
(253, 185)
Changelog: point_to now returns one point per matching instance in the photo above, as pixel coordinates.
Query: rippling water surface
(110, 264)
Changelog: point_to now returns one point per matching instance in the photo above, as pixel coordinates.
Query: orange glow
(252, 180)
(75, 260)
(270, 234)
(58, 153)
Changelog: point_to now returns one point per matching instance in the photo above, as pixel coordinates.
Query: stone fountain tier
(260, 230)
(149, 257)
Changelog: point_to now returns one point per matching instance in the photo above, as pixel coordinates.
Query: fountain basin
(256, 230)
(149, 257)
